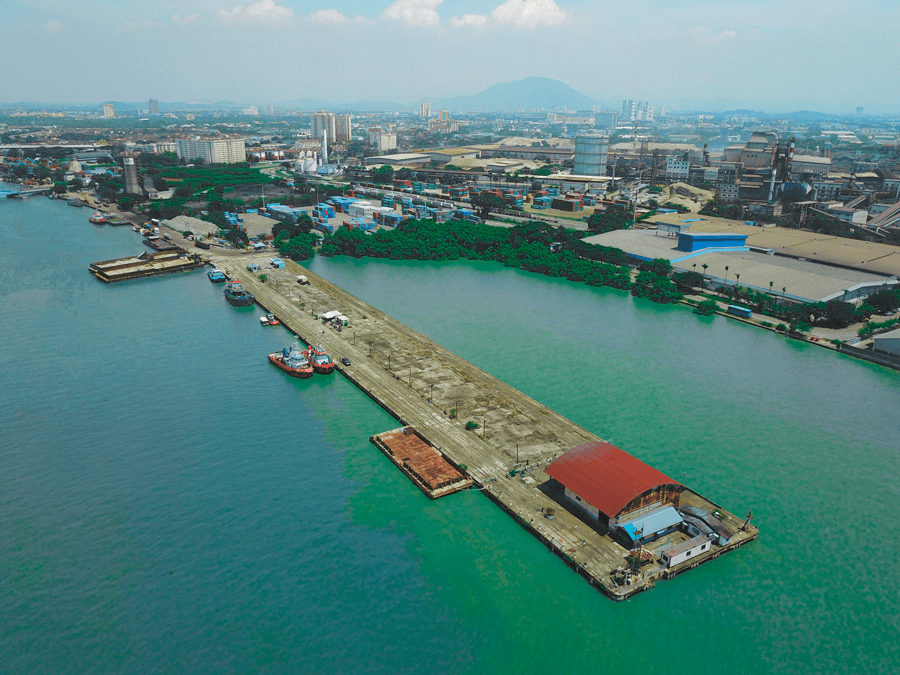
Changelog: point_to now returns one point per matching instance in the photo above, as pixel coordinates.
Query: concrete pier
(435, 391)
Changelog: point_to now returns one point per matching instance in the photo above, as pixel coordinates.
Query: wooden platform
(421, 383)
(145, 265)
(425, 466)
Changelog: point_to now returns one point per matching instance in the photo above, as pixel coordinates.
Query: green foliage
(873, 326)
(544, 171)
(484, 204)
(706, 308)
(884, 301)
(657, 288)
(731, 210)
(298, 247)
(781, 327)
(839, 314)
(471, 425)
(798, 326)
(383, 174)
(263, 277)
(689, 279)
(237, 237)
(189, 180)
(126, 203)
(607, 221)
(288, 230)
(524, 247)
(659, 266)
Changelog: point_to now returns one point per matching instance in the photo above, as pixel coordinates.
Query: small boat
(292, 361)
(320, 360)
(97, 218)
(236, 295)
(263, 321)
(136, 227)
(75, 202)
(216, 275)
(272, 319)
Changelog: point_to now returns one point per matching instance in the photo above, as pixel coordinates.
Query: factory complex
(792, 264)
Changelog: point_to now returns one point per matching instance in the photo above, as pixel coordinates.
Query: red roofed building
(608, 482)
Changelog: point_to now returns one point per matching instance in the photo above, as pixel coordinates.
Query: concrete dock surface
(423, 384)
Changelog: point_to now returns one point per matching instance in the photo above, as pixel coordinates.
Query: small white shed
(684, 551)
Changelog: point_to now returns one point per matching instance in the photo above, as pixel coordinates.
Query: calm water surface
(171, 503)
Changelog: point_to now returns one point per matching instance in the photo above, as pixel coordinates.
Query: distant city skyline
(773, 56)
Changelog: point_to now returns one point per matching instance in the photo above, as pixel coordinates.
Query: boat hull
(239, 301)
(324, 370)
(301, 373)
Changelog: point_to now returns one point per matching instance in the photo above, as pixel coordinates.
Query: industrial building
(212, 151)
(790, 264)
(634, 500)
(887, 343)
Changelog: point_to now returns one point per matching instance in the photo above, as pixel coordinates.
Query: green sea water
(171, 503)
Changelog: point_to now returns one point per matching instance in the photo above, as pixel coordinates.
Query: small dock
(423, 464)
(145, 265)
(500, 438)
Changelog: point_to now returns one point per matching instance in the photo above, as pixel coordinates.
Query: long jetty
(430, 388)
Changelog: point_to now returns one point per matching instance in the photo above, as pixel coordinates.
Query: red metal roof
(605, 476)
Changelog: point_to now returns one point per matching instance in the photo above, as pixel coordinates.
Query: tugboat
(97, 218)
(236, 295)
(319, 359)
(272, 320)
(216, 275)
(292, 361)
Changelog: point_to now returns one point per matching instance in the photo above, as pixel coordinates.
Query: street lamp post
(431, 395)
(389, 361)
(370, 349)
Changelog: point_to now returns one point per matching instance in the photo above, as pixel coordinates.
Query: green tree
(706, 308)
(607, 221)
(656, 288)
(689, 279)
(839, 314)
(383, 174)
(485, 204)
(658, 266)
(237, 237)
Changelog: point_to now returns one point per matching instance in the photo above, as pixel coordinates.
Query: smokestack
(324, 146)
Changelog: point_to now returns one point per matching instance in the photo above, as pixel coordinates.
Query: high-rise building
(590, 154)
(629, 108)
(342, 128)
(425, 110)
(213, 151)
(154, 106)
(606, 119)
(270, 110)
(108, 111)
(132, 184)
(444, 116)
(859, 111)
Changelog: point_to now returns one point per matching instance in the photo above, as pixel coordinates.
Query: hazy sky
(829, 55)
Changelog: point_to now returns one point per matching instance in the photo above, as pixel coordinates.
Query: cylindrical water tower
(590, 154)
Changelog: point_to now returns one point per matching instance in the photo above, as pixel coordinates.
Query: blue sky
(828, 55)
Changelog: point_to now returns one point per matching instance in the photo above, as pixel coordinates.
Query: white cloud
(54, 27)
(702, 32)
(264, 11)
(475, 20)
(330, 17)
(421, 13)
(530, 13)
(184, 20)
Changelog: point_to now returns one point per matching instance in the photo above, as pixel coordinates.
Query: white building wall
(593, 510)
(702, 546)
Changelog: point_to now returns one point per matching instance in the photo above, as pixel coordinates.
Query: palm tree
(783, 293)
(737, 283)
(704, 266)
(726, 279)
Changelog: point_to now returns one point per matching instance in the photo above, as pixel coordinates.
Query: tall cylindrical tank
(590, 154)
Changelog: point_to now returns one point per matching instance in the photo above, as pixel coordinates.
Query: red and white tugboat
(319, 359)
(292, 361)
